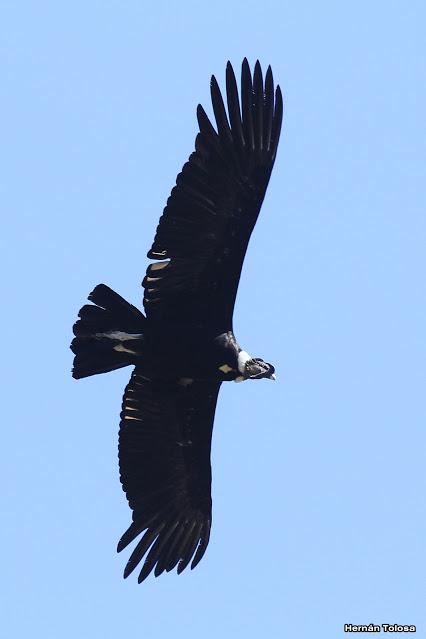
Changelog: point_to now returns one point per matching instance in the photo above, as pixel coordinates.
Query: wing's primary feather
(164, 453)
(210, 214)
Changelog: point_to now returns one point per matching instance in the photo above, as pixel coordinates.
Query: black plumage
(183, 348)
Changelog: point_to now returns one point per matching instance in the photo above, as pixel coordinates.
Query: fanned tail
(108, 335)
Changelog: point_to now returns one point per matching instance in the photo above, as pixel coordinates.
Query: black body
(183, 348)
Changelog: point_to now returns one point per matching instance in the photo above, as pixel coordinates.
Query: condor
(184, 347)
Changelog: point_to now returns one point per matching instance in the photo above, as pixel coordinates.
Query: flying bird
(183, 347)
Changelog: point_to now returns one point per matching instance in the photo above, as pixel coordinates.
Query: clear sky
(318, 479)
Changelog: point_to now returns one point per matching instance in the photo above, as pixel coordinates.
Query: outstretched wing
(164, 454)
(205, 228)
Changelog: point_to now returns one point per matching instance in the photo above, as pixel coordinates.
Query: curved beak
(273, 377)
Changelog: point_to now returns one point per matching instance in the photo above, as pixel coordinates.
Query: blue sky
(319, 484)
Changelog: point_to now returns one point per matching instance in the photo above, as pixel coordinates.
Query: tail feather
(108, 335)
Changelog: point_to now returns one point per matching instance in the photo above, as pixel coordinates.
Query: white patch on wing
(240, 378)
(159, 265)
(243, 358)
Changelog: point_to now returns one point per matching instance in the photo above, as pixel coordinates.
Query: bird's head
(253, 368)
